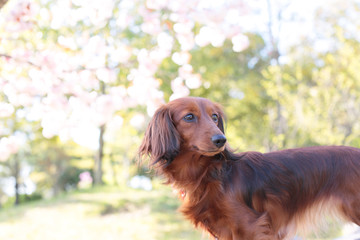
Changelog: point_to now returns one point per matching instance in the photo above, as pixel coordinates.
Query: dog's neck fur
(200, 180)
(196, 170)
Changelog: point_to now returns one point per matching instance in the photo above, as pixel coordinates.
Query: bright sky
(297, 19)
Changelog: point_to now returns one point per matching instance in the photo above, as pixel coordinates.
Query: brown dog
(249, 195)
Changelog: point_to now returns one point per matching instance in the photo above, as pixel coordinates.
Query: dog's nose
(219, 140)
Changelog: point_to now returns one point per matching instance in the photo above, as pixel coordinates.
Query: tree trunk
(126, 166)
(98, 173)
(114, 172)
(99, 158)
(17, 184)
(280, 124)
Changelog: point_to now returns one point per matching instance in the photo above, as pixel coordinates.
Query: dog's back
(297, 186)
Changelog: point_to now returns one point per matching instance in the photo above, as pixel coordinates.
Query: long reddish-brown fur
(248, 195)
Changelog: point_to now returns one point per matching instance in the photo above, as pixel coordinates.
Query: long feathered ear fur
(221, 124)
(228, 153)
(161, 140)
(222, 118)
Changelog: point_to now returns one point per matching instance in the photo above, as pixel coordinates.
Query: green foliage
(23, 198)
(69, 178)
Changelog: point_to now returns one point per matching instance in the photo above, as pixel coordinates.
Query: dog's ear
(221, 124)
(161, 140)
(222, 119)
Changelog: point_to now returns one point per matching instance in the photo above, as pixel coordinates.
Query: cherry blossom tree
(72, 65)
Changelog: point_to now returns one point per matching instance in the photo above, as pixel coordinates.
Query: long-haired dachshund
(248, 195)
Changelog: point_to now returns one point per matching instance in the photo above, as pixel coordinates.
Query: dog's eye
(189, 117)
(215, 118)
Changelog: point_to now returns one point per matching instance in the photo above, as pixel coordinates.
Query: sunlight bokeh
(79, 81)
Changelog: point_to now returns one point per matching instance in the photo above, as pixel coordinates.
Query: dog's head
(185, 124)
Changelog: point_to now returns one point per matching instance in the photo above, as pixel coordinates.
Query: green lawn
(101, 214)
(106, 213)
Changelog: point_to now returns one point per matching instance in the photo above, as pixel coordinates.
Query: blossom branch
(2, 3)
(19, 60)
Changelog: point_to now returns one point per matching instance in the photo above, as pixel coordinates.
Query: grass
(107, 213)
(103, 213)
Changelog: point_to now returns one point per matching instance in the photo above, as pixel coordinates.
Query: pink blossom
(55, 100)
(210, 35)
(104, 108)
(25, 99)
(233, 16)
(121, 53)
(87, 80)
(179, 89)
(47, 77)
(119, 96)
(151, 24)
(156, 4)
(175, 6)
(158, 55)
(186, 41)
(181, 58)
(85, 177)
(11, 94)
(165, 41)
(153, 105)
(60, 13)
(99, 11)
(203, 38)
(240, 42)
(19, 94)
(183, 6)
(106, 75)
(85, 97)
(193, 81)
(115, 123)
(85, 180)
(144, 89)
(125, 18)
(53, 123)
(184, 27)
(40, 81)
(149, 61)
(86, 134)
(96, 12)
(94, 52)
(22, 15)
(185, 71)
(79, 110)
(8, 146)
(67, 42)
(53, 61)
(6, 110)
(137, 121)
(36, 112)
(44, 16)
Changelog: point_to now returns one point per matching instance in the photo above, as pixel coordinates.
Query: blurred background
(80, 79)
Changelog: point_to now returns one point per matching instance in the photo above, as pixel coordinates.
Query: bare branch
(2, 3)
(19, 60)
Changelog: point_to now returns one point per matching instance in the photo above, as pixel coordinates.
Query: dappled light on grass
(110, 214)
